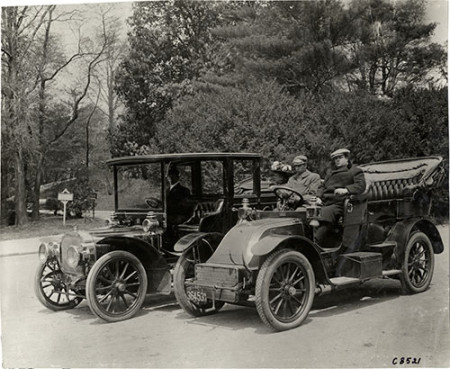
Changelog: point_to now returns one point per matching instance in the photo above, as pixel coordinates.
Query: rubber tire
(182, 268)
(407, 285)
(92, 279)
(49, 304)
(263, 281)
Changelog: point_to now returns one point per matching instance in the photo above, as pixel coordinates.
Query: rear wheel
(116, 286)
(185, 271)
(52, 290)
(418, 264)
(285, 290)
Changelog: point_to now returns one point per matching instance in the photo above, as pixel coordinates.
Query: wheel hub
(119, 286)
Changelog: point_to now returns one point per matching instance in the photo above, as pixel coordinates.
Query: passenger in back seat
(345, 179)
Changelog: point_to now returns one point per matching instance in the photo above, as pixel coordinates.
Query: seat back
(397, 179)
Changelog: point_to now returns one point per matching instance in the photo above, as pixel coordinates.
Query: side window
(135, 183)
(243, 177)
(185, 176)
(212, 177)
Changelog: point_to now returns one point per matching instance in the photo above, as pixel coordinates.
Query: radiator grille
(218, 275)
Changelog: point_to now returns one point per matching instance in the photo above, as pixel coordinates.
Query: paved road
(364, 327)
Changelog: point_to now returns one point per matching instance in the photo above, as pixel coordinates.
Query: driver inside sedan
(304, 182)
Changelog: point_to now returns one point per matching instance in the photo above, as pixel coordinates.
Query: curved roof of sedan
(181, 157)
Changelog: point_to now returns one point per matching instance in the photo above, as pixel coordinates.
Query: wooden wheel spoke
(291, 278)
(133, 284)
(130, 275)
(105, 297)
(110, 303)
(275, 298)
(278, 306)
(124, 270)
(130, 293)
(124, 301)
(298, 280)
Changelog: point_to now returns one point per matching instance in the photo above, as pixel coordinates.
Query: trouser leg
(328, 220)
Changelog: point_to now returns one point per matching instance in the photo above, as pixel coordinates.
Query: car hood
(236, 247)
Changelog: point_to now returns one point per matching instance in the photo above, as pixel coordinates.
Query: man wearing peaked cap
(338, 152)
(345, 179)
(303, 181)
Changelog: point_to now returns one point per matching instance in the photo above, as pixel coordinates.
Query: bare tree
(30, 66)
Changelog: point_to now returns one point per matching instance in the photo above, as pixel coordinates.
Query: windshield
(139, 187)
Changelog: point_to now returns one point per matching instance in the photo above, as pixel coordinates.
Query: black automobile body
(116, 266)
(271, 259)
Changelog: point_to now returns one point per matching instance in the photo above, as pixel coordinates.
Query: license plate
(196, 295)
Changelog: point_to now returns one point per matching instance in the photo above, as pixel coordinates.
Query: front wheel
(52, 290)
(285, 290)
(418, 264)
(185, 271)
(116, 286)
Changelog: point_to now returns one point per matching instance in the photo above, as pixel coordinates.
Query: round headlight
(73, 257)
(146, 225)
(43, 252)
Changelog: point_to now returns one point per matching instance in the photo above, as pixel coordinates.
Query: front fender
(188, 241)
(269, 243)
(157, 268)
(301, 244)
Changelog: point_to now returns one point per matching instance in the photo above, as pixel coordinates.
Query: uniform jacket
(179, 207)
(350, 177)
(307, 184)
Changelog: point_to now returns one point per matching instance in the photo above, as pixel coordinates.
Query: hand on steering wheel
(289, 198)
(153, 202)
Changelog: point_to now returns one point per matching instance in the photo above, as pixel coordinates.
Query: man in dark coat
(344, 180)
(179, 207)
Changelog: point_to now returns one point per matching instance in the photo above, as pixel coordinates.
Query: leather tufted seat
(392, 189)
(202, 210)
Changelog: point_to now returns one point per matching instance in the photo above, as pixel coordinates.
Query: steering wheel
(289, 198)
(153, 202)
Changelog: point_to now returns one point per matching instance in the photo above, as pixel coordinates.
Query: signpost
(65, 197)
(93, 197)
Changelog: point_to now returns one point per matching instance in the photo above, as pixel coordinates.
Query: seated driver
(345, 179)
(306, 183)
(179, 206)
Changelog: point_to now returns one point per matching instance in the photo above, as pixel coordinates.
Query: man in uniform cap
(303, 181)
(345, 179)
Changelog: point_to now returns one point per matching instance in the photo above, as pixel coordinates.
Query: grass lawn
(48, 225)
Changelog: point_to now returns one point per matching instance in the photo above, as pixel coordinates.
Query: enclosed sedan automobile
(115, 267)
(270, 258)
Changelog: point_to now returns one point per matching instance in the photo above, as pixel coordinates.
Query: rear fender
(402, 231)
(156, 267)
(190, 240)
(271, 243)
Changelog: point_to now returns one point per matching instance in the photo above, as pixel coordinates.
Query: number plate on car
(196, 295)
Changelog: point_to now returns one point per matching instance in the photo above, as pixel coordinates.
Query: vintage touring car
(113, 268)
(270, 258)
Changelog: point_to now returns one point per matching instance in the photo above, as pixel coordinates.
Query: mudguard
(301, 244)
(186, 242)
(401, 231)
(157, 268)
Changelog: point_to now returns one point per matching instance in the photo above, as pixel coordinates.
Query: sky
(437, 11)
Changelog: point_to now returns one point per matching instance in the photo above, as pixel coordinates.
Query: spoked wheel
(285, 290)
(185, 271)
(51, 289)
(418, 264)
(116, 286)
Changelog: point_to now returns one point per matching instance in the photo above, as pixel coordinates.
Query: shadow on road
(370, 293)
(235, 317)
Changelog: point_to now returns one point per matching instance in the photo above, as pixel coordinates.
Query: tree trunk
(37, 186)
(21, 195)
(4, 191)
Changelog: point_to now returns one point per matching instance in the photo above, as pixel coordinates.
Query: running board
(388, 273)
(344, 281)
